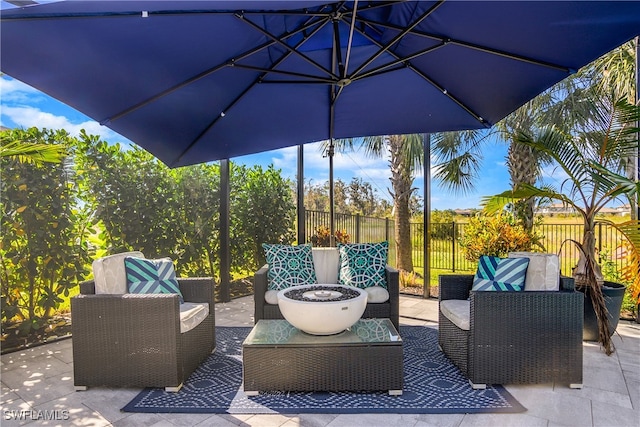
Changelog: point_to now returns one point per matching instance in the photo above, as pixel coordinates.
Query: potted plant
(593, 156)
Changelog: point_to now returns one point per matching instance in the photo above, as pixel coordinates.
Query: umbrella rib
(469, 45)
(310, 23)
(283, 44)
(205, 73)
(312, 79)
(433, 83)
(377, 71)
(399, 36)
(350, 42)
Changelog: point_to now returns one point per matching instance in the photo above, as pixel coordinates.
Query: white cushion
(543, 273)
(458, 311)
(109, 274)
(376, 294)
(271, 297)
(325, 261)
(192, 314)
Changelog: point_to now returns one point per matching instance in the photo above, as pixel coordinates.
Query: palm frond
(495, 203)
(34, 153)
(458, 159)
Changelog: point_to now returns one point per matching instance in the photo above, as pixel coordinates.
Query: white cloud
(27, 117)
(13, 90)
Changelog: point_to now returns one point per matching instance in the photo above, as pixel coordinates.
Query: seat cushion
(151, 276)
(363, 264)
(500, 274)
(376, 294)
(543, 272)
(458, 312)
(289, 266)
(271, 297)
(109, 274)
(192, 314)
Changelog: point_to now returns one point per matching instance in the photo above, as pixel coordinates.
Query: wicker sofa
(135, 340)
(514, 337)
(389, 309)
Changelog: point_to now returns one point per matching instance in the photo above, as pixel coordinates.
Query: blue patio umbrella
(194, 81)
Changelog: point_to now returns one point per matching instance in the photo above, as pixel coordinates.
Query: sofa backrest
(325, 262)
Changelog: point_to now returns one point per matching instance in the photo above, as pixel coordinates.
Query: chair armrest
(122, 315)
(512, 313)
(88, 287)
(393, 287)
(198, 289)
(454, 286)
(393, 281)
(259, 289)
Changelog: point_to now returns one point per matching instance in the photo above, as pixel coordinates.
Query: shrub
(496, 236)
(322, 235)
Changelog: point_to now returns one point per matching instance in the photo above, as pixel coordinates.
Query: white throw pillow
(377, 294)
(325, 261)
(109, 274)
(543, 273)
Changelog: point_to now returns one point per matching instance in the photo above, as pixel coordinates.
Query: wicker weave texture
(387, 310)
(515, 337)
(134, 340)
(323, 368)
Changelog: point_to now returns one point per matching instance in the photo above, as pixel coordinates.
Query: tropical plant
(497, 235)
(322, 236)
(405, 158)
(592, 156)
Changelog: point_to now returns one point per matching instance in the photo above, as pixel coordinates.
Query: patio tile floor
(41, 379)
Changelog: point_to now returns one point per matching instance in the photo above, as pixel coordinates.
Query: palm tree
(459, 156)
(593, 156)
(405, 158)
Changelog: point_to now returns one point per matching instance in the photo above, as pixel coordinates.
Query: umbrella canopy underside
(207, 80)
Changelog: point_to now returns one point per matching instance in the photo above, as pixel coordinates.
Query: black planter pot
(613, 294)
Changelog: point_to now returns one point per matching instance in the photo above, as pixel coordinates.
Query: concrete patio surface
(41, 379)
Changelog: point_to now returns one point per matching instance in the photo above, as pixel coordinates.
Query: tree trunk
(401, 181)
(588, 276)
(587, 257)
(523, 169)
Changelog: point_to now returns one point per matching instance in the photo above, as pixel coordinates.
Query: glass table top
(364, 331)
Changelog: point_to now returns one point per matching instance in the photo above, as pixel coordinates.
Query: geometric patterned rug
(432, 385)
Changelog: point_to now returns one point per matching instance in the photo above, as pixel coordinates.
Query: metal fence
(445, 251)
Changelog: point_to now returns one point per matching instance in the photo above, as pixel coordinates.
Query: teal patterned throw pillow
(289, 266)
(151, 276)
(363, 264)
(500, 274)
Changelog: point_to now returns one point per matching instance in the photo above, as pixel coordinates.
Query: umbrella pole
(330, 153)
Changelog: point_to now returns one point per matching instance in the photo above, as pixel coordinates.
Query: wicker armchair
(515, 337)
(134, 340)
(389, 309)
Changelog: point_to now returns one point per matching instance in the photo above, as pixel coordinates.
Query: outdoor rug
(433, 385)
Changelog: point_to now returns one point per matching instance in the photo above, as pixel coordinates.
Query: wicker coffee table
(367, 357)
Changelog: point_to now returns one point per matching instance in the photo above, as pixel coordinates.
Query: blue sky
(23, 106)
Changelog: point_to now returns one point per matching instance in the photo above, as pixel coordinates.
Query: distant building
(559, 208)
(464, 212)
(555, 209)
